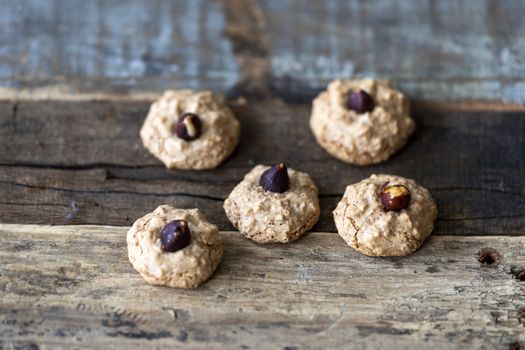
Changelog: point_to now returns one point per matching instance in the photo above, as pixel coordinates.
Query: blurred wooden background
(437, 50)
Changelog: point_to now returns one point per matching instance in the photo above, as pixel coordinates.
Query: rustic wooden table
(77, 78)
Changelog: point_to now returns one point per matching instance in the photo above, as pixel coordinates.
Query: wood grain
(445, 50)
(83, 163)
(314, 293)
(120, 46)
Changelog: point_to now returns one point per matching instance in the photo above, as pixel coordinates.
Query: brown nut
(394, 197)
(175, 236)
(275, 179)
(360, 101)
(189, 127)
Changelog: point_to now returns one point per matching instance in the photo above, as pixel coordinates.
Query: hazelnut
(394, 197)
(275, 179)
(360, 102)
(189, 127)
(175, 236)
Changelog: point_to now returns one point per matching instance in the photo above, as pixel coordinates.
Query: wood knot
(518, 273)
(521, 315)
(516, 346)
(489, 257)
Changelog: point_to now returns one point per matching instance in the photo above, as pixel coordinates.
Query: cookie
(273, 204)
(361, 121)
(188, 129)
(163, 258)
(385, 215)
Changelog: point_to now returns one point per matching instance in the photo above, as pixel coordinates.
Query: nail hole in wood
(518, 273)
(516, 346)
(489, 256)
(521, 316)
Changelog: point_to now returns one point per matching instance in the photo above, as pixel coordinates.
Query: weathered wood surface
(120, 46)
(83, 163)
(315, 293)
(438, 50)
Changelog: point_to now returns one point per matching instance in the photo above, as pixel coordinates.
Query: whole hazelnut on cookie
(360, 101)
(275, 179)
(174, 247)
(188, 129)
(394, 197)
(385, 215)
(273, 204)
(175, 236)
(361, 121)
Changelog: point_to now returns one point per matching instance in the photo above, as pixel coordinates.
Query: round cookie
(217, 137)
(266, 216)
(185, 268)
(364, 223)
(361, 138)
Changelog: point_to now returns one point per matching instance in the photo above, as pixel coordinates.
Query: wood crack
(86, 166)
(14, 110)
(167, 194)
(482, 218)
(214, 198)
(481, 189)
(27, 204)
(105, 166)
(166, 174)
(478, 189)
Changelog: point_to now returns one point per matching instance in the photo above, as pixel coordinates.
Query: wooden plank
(314, 293)
(89, 153)
(446, 50)
(119, 46)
